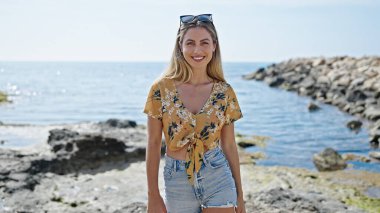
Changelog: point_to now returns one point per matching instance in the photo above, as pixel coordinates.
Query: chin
(199, 65)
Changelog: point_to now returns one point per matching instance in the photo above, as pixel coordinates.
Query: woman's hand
(156, 204)
(240, 207)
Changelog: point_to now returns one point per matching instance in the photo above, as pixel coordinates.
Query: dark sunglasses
(189, 18)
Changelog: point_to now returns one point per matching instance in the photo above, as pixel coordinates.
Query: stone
(3, 97)
(274, 81)
(353, 157)
(117, 123)
(307, 83)
(375, 155)
(329, 160)
(136, 207)
(354, 124)
(61, 135)
(313, 107)
(372, 113)
(374, 141)
(323, 80)
(356, 95)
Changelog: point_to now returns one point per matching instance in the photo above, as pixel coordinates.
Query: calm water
(56, 93)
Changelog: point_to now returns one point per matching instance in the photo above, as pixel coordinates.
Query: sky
(145, 30)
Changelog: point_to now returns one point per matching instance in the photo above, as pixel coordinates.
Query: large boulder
(329, 160)
(84, 152)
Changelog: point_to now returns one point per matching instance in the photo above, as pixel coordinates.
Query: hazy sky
(145, 30)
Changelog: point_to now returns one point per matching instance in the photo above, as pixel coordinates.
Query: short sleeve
(233, 111)
(153, 105)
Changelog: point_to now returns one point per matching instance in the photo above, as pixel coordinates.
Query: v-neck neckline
(182, 103)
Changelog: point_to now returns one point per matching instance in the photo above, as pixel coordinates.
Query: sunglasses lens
(187, 19)
(204, 17)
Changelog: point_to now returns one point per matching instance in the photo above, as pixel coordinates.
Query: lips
(198, 58)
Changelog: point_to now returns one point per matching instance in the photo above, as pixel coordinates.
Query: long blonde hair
(180, 70)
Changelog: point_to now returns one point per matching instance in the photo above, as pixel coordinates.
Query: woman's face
(197, 47)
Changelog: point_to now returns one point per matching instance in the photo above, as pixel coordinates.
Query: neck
(200, 77)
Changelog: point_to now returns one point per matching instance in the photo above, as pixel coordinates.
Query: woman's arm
(229, 148)
(152, 157)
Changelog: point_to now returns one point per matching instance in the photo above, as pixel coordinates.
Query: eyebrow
(206, 39)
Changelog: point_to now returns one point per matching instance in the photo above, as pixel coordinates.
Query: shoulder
(160, 83)
(225, 86)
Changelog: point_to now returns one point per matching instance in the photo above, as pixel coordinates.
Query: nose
(197, 49)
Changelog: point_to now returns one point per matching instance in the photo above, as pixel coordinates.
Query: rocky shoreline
(100, 167)
(351, 84)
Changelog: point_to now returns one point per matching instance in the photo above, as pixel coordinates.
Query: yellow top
(180, 126)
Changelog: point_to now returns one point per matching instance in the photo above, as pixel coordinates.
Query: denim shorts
(213, 186)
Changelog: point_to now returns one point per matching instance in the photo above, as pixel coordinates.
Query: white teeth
(198, 58)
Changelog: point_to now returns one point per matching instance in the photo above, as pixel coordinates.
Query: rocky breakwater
(351, 84)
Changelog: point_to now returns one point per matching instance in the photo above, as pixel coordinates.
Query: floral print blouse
(180, 126)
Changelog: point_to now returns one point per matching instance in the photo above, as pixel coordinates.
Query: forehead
(197, 33)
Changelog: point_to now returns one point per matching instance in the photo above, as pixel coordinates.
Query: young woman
(194, 106)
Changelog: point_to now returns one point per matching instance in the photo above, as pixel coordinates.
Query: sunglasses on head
(189, 18)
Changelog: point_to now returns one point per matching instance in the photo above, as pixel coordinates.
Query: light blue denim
(213, 186)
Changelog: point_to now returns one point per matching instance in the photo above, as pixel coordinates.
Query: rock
(249, 76)
(137, 207)
(245, 144)
(318, 62)
(323, 80)
(3, 97)
(375, 155)
(79, 153)
(354, 125)
(356, 95)
(329, 160)
(116, 123)
(274, 82)
(374, 141)
(255, 140)
(312, 107)
(357, 82)
(289, 200)
(344, 81)
(258, 75)
(373, 192)
(61, 135)
(307, 83)
(372, 113)
(353, 157)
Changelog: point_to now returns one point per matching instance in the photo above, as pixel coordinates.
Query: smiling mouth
(198, 59)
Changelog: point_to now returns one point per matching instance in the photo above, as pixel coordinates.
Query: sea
(50, 93)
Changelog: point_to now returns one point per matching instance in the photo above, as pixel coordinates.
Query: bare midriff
(180, 154)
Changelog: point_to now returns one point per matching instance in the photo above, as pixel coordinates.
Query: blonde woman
(194, 106)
